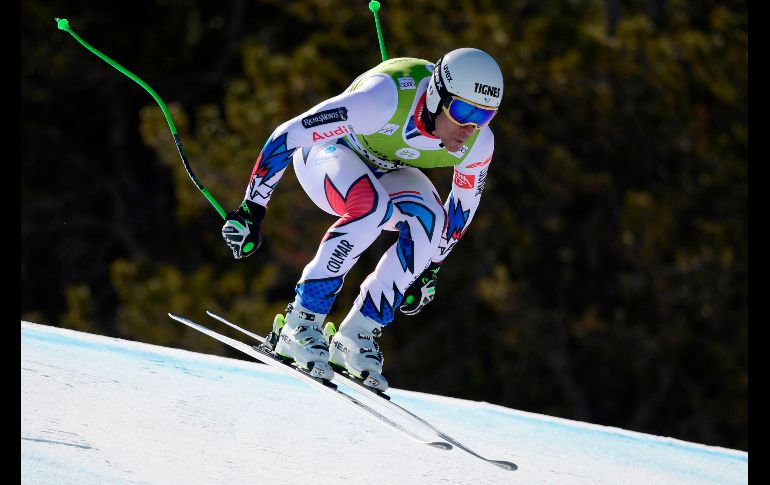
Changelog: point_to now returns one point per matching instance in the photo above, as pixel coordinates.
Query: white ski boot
(353, 348)
(300, 339)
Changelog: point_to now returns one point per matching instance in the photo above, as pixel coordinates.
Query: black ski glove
(241, 229)
(421, 292)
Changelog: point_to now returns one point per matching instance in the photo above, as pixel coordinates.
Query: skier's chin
(453, 145)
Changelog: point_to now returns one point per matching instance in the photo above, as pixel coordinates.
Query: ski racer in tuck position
(359, 157)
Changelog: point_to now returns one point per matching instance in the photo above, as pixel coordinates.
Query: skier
(358, 156)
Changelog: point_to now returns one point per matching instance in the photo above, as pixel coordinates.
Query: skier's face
(452, 135)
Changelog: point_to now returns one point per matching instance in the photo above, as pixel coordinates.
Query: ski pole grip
(63, 24)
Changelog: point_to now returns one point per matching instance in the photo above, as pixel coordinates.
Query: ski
(384, 400)
(328, 388)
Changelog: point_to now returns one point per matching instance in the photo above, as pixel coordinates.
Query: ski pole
(63, 24)
(374, 6)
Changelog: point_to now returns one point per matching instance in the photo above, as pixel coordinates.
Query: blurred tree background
(605, 275)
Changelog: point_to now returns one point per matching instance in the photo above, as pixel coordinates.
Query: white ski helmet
(468, 73)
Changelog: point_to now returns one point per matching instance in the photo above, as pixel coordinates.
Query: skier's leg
(338, 182)
(419, 218)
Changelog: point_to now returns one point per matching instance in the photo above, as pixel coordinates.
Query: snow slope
(97, 410)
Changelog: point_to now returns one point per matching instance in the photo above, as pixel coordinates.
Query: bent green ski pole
(63, 24)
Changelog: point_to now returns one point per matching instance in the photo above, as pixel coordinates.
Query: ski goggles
(463, 112)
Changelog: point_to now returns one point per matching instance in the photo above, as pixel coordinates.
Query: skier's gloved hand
(241, 229)
(422, 291)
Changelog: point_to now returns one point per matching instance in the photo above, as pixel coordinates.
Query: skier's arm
(464, 198)
(364, 111)
(467, 185)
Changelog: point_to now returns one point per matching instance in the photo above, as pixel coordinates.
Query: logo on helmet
(437, 80)
(447, 75)
(487, 90)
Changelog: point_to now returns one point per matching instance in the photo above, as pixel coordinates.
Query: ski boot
(297, 337)
(353, 348)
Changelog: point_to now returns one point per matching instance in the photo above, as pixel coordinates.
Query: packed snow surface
(97, 410)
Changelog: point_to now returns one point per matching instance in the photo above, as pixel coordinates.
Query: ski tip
(441, 445)
(505, 465)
